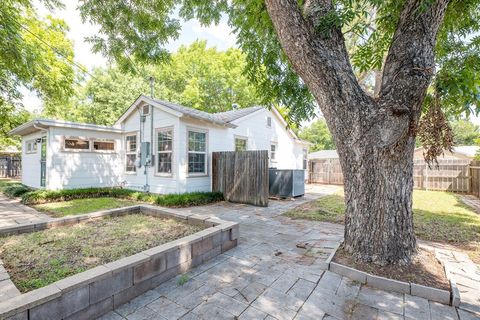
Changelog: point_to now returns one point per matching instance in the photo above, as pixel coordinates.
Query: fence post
(426, 176)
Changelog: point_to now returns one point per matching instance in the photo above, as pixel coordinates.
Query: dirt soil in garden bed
(34, 260)
(425, 269)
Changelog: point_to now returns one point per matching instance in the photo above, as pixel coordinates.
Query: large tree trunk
(378, 198)
(375, 137)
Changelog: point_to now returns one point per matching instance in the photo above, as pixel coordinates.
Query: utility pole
(152, 80)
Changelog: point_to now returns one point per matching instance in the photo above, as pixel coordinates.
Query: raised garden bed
(425, 277)
(121, 276)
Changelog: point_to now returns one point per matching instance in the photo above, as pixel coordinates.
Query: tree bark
(375, 137)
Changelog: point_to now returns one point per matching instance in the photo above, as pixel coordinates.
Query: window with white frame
(76, 143)
(197, 152)
(103, 145)
(305, 158)
(31, 146)
(269, 122)
(273, 151)
(130, 153)
(164, 151)
(240, 144)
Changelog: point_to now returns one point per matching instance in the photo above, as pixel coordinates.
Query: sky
(219, 36)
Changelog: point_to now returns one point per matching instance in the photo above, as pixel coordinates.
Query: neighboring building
(323, 154)
(459, 152)
(61, 154)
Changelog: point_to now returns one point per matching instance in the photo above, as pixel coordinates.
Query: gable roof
(39, 124)
(232, 115)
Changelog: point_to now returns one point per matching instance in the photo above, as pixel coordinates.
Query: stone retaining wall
(99, 290)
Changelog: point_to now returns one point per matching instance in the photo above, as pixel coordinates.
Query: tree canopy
(141, 31)
(319, 135)
(195, 76)
(34, 54)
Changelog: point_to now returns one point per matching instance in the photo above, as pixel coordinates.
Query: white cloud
(221, 32)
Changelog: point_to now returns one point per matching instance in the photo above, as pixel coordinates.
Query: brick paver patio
(13, 212)
(268, 277)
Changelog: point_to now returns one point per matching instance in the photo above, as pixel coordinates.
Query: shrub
(16, 190)
(168, 200)
(188, 199)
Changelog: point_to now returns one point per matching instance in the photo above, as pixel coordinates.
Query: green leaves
(318, 134)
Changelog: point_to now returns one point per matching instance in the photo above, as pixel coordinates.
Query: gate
(242, 176)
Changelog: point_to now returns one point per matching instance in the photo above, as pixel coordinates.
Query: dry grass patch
(37, 259)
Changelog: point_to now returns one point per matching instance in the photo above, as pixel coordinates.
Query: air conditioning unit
(146, 110)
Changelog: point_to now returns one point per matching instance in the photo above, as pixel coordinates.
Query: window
(305, 158)
(269, 122)
(72, 143)
(273, 152)
(240, 144)
(103, 145)
(164, 151)
(197, 152)
(130, 153)
(31, 146)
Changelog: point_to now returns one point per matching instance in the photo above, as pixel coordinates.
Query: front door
(43, 162)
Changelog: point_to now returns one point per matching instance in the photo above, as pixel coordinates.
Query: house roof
(229, 116)
(462, 151)
(39, 124)
(323, 154)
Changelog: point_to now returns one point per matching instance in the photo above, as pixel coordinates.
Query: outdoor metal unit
(286, 183)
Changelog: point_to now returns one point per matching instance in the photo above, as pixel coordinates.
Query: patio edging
(438, 295)
(99, 290)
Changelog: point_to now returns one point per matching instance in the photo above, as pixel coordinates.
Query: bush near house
(168, 200)
(13, 188)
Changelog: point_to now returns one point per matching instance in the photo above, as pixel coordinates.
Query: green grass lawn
(81, 206)
(438, 216)
(34, 260)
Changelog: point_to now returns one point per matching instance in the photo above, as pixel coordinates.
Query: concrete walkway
(13, 212)
(268, 277)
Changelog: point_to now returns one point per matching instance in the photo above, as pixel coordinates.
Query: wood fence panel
(10, 166)
(241, 176)
(455, 175)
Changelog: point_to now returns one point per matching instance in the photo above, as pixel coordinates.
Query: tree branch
(321, 62)
(410, 64)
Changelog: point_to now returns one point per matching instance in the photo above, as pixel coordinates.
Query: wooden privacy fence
(455, 175)
(10, 166)
(241, 176)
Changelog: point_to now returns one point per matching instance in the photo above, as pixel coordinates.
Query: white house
(61, 154)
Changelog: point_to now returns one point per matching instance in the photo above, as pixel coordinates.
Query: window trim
(33, 143)
(198, 130)
(235, 137)
(273, 143)
(305, 159)
(66, 137)
(164, 174)
(129, 134)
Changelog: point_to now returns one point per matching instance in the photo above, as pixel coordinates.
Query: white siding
(31, 162)
(81, 169)
(260, 137)
(157, 183)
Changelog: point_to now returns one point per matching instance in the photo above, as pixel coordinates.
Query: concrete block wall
(99, 290)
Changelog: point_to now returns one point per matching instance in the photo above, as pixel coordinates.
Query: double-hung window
(164, 151)
(197, 152)
(31, 146)
(240, 144)
(273, 152)
(130, 153)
